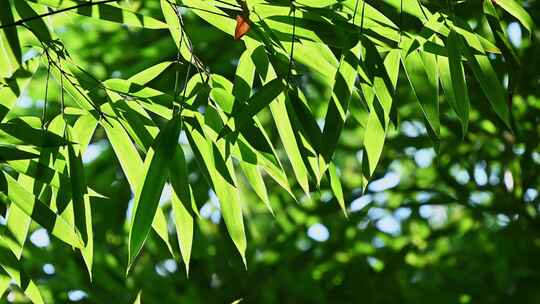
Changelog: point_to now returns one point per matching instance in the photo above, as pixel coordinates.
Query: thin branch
(44, 113)
(84, 4)
(292, 45)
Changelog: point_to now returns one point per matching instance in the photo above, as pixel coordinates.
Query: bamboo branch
(84, 4)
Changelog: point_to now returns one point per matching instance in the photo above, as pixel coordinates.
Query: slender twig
(227, 3)
(198, 9)
(422, 9)
(400, 21)
(186, 80)
(292, 45)
(84, 4)
(44, 112)
(194, 59)
(62, 104)
(361, 29)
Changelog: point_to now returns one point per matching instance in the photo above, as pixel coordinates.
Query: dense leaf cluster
(298, 111)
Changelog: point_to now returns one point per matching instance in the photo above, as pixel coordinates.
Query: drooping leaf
(423, 84)
(106, 12)
(18, 132)
(339, 102)
(484, 72)
(147, 198)
(516, 10)
(256, 103)
(15, 86)
(8, 153)
(335, 184)
(10, 47)
(453, 80)
(18, 222)
(38, 211)
(132, 165)
(220, 175)
(182, 202)
(13, 267)
(378, 91)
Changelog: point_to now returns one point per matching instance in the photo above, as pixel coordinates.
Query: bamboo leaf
(132, 165)
(10, 264)
(37, 26)
(453, 80)
(422, 82)
(18, 222)
(339, 102)
(22, 133)
(378, 92)
(516, 10)
(256, 103)
(107, 12)
(15, 85)
(182, 202)
(10, 47)
(147, 199)
(220, 175)
(8, 153)
(487, 78)
(38, 211)
(335, 184)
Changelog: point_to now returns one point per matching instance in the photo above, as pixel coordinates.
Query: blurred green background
(458, 226)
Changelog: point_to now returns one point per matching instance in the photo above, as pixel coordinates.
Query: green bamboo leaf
(45, 174)
(8, 153)
(253, 135)
(10, 48)
(38, 211)
(81, 133)
(5, 281)
(501, 39)
(12, 266)
(212, 15)
(147, 199)
(282, 120)
(15, 86)
(378, 91)
(183, 221)
(107, 12)
(37, 26)
(473, 40)
(303, 119)
(453, 80)
(484, 72)
(220, 174)
(175, 28)
(151, 73)
(255, 104)
(18, 222)
(22, 133)
(339, 102)
(333, 31)
(224, 99)
(335, 184)
(78, 188)
(71, 85)
(182, 202)
(516, 10)
(255, 179)
(132, 165)
(264, 156)
(243, 80)
(423, 83)
(138, 299)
